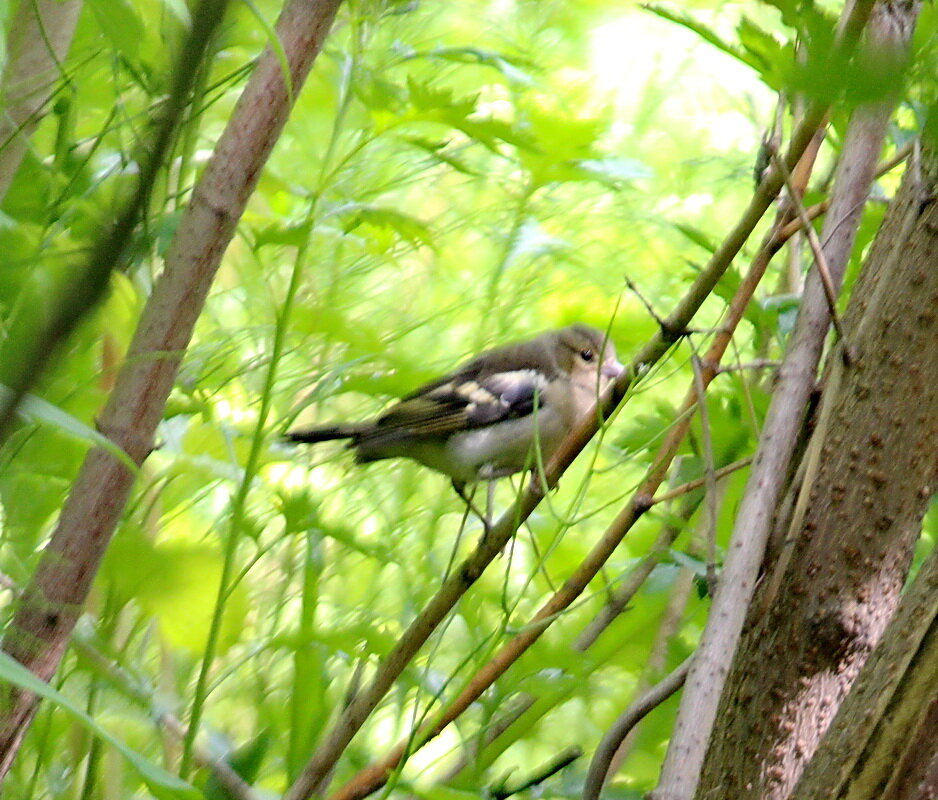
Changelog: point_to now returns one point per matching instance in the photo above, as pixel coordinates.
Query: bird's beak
(612, 369)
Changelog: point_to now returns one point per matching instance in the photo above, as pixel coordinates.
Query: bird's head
(587, 356)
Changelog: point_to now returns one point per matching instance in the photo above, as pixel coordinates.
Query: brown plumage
(481, 421)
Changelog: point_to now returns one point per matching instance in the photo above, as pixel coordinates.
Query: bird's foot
(539, 482)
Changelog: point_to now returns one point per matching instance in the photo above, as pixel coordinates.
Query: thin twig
(654, 697)
(900, 155)
(541, 774)
(690, 486)
(820, 259)
(648, 306)
(794, 226)
(759, 363)
(709, 475)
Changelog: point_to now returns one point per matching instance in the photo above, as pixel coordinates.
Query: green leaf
(704, 32)
(38, 410)
(120, 23)
(162, 783)
(28, 198)
(474, 55)
(177, 583)
(405, 225)
(438, 152)
(771, 59)
(697, 236)
(490, 132)
(245, 761)
(283, 235)
(425, 97)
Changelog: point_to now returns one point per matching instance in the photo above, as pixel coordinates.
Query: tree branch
(654, 697)
(42, 624)
(373, 776)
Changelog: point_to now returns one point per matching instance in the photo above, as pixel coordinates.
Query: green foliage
(452, 177)
(164, 785)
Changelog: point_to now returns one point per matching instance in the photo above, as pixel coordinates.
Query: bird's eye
(586, 355)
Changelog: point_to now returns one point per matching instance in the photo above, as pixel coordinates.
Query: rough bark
(39, 38)
(883, 743)
(876, 451)
(697, 716)
(49, 608)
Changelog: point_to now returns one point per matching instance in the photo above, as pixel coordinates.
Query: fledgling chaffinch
(481, 421)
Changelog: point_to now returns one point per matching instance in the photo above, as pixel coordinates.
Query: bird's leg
(460, 488)
(489, 504)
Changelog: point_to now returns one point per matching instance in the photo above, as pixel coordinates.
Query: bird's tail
(326, 433)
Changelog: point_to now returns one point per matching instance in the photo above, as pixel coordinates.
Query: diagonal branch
(623, 595)
(635, 713)
(46, 615)
(374, 776)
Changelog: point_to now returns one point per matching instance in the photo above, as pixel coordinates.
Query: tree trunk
(883, 743)
(872, 466)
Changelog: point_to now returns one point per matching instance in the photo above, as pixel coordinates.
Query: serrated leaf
(490, 132)
(404, 225)
(760, 44)
(645, 430)
(425, 97)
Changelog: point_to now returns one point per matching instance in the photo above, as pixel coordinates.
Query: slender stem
(239, 502)
(654, 697)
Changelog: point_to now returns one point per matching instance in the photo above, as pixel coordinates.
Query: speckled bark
(883, 743)
(850, 554)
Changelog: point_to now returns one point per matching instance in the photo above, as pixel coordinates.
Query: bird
(483, 421)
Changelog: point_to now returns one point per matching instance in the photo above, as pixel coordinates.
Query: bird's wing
(464, 402)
